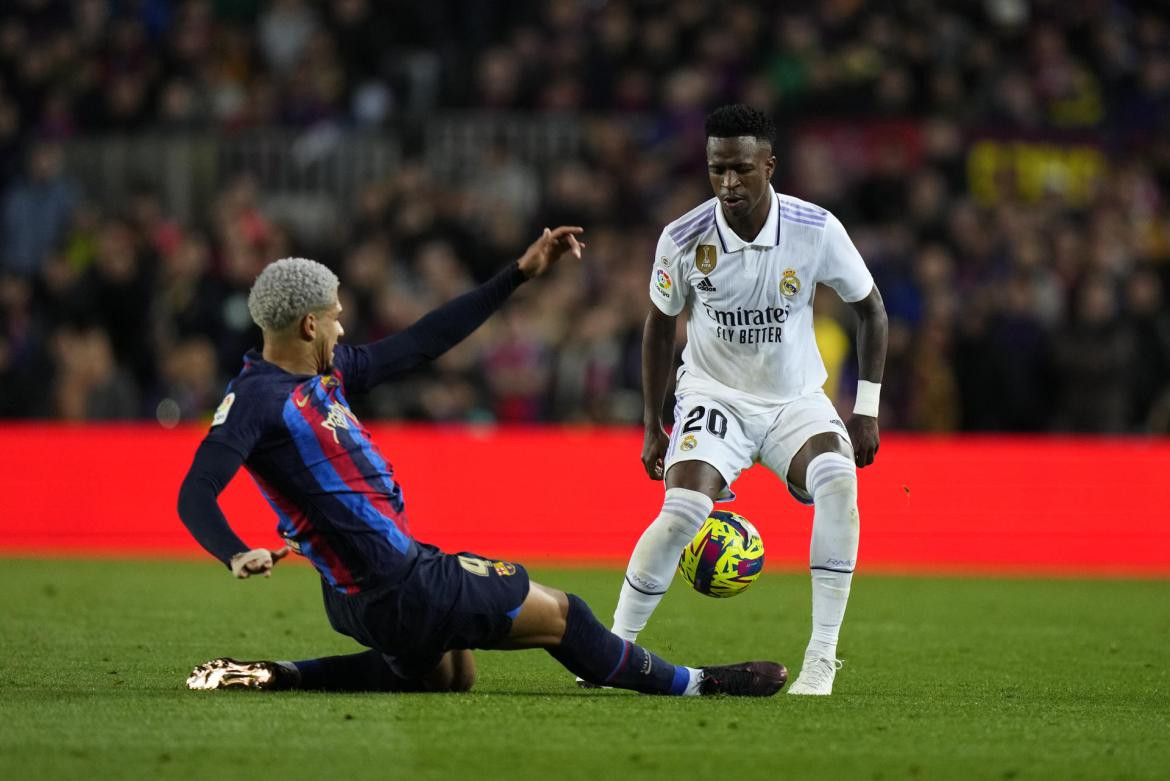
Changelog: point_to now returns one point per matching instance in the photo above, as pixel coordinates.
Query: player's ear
(770, 166)
(308, 327)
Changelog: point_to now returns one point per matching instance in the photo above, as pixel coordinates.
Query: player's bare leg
(541, 620)
(565, 626)
(691, 488)
(824, 469)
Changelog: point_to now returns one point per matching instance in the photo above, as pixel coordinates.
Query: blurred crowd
(1012, 308)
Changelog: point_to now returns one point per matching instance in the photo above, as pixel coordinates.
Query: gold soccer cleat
(223, 673)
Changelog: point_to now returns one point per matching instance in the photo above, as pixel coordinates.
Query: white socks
(655, 558)
(696, 678)
(831, 480)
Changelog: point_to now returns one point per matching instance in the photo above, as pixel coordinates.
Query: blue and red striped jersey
(333, 492)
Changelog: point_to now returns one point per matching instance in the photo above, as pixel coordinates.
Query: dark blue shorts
(447, 602)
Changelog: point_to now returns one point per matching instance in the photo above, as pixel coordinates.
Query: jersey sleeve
(435, 333)
(239, 421)
(668, 284)
(841, 265)
(210, 472)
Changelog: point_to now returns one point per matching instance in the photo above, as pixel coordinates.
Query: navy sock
(591, 651)
(362, 672)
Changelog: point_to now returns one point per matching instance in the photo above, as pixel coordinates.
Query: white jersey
(751, 318)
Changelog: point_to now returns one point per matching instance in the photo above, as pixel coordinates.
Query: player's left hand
(258, 561)
(546, 250)
(863, 433)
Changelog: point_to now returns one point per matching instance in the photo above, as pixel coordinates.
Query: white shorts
(731, 431)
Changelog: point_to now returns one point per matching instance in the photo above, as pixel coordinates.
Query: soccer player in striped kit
(746, 264)
(417, 610)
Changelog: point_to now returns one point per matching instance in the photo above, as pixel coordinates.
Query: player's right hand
(551, 245)
(863, 433)
(654, 451)
(256, 562)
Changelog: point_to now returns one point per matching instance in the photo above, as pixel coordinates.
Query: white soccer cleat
(816, 677)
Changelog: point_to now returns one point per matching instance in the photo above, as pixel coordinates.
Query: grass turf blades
(944, 678)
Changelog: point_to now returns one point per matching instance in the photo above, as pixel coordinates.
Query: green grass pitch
(944, 678)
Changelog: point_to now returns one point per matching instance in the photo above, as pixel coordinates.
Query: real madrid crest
(688, 442)
(706, 258)
(789, 284)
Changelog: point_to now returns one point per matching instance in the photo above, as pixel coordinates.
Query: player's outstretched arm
(657, 362)
(437, 332)
(872, 337)
(210, 472)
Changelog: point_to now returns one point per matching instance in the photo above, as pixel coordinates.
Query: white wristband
(867, 398)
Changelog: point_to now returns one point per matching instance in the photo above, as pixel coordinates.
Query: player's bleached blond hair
(289, 289)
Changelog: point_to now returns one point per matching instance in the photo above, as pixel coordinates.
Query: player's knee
(832, 476)
(463, 671)
(685, 510)
(682, 515)
(463, 680)
(543, 618)
(559, 602)
(455, 673)
(844, 486)
(557, 623)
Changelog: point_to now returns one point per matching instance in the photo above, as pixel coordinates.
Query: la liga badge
(221, 412)
(663, 281)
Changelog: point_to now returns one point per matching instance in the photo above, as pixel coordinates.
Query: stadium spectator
(37, 210)
(920, 125)
(90, 385)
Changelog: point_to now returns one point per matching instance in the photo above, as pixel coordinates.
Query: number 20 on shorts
(716, 421)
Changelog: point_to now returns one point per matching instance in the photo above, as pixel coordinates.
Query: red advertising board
(578, 495)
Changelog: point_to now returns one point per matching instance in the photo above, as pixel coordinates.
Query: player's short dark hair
(739, 120)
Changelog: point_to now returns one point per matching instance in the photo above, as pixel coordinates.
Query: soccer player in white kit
(746, 264)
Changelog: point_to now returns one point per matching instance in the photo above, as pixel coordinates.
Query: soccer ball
(725, 557)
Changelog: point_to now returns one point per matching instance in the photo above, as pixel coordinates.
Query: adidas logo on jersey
(705, 285)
